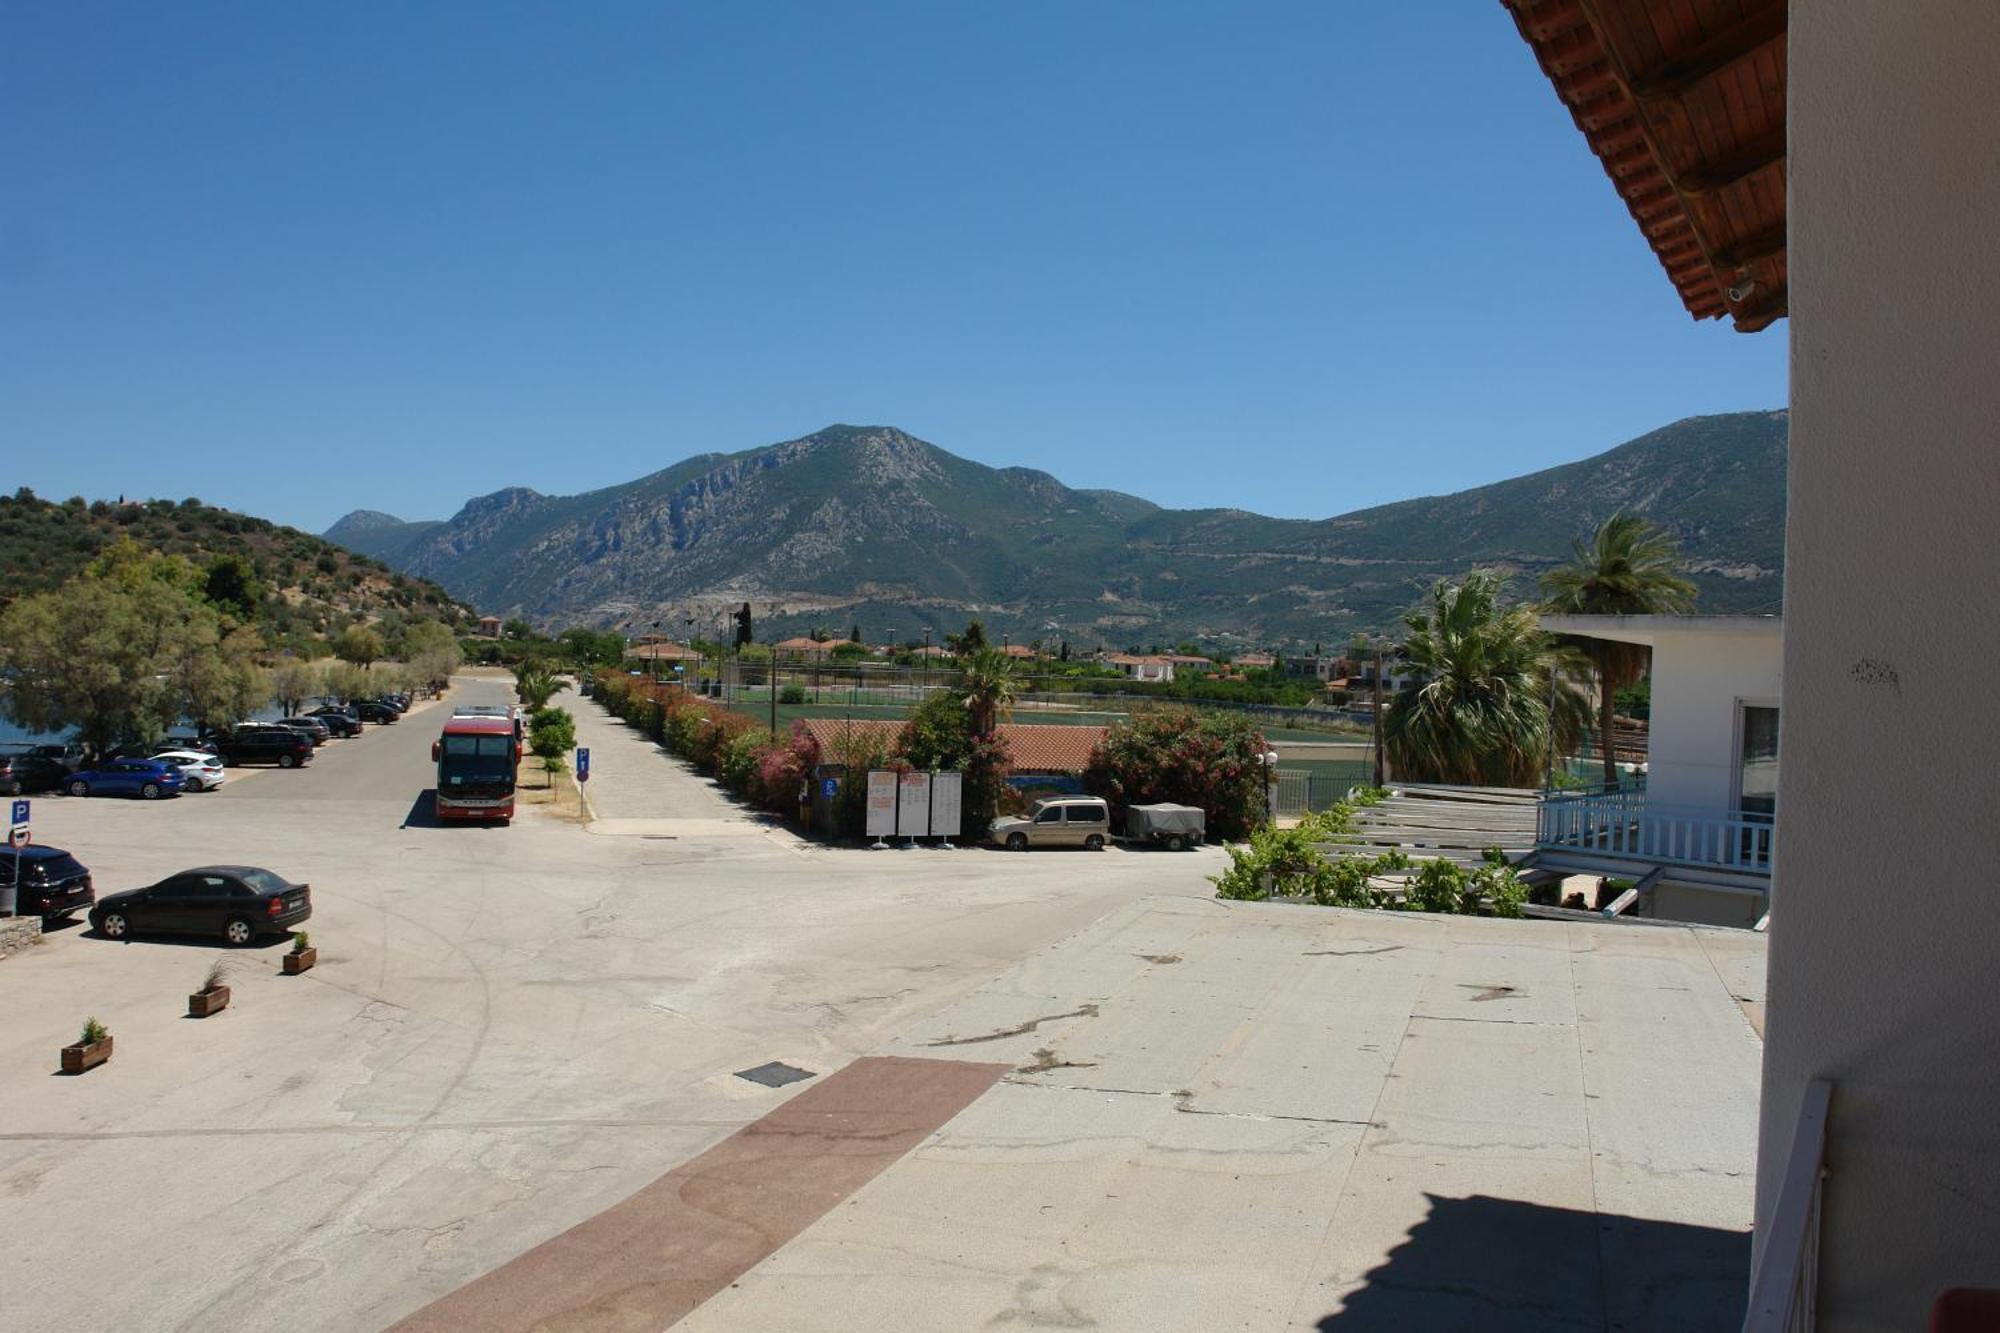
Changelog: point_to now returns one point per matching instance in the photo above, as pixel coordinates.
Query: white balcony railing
(1784, 1290)
(1623, 824)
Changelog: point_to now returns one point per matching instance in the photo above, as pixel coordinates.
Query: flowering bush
(1211, 760)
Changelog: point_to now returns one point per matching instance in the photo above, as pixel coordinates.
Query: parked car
(200, 772)
(307, 726)
(48, 881)
(373, 710)
(255, 744)
(337, 720)
(1056, 821)
(24, 772)
(69, 754)
(237, 903)
(398, 701)
(148, 779)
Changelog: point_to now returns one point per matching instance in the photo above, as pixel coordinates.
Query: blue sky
(1296, 258)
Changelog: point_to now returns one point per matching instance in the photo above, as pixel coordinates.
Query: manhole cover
(775, 1075)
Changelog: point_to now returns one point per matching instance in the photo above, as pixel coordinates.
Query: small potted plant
(92, 1048)
(212, 997)
(302, 956)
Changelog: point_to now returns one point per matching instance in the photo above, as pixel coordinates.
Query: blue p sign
(583, 763)
(20, 815)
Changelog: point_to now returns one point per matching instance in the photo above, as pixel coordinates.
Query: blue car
(148, 779)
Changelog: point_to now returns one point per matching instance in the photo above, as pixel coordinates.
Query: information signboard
(913, 806)
(881, 803)
(946, 804)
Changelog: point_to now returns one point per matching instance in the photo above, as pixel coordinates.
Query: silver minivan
(1056, 821)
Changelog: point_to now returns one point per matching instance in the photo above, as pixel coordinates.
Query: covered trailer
(1171, 826)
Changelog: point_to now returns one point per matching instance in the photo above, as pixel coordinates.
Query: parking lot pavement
(509, 1030)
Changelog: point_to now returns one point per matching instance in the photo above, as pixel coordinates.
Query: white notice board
(913, 806)
(946, 807)
(881, 803)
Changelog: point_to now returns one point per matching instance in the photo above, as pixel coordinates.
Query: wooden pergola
(1683, 101)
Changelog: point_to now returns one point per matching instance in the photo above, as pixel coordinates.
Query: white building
(1154, 669)
(1837, 162)
(1699, 834)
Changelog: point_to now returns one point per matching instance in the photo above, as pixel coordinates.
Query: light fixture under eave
(1742, 291)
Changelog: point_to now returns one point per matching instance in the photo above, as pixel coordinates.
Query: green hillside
(309, 585)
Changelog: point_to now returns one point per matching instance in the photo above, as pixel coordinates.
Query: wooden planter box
(300, 961)
(203, 1003)
(76, 1059)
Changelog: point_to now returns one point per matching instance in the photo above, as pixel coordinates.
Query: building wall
(1884, 952)
(1691, 744)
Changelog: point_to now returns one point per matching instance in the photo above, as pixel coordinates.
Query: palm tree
(536, 683)
(990, 686)
(1478, 708)
(1627, 568)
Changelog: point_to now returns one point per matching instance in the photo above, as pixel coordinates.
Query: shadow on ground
(1502, 1266)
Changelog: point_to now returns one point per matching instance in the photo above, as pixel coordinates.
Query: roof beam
(1764, 245)
(1719, 174)
(1718, 52)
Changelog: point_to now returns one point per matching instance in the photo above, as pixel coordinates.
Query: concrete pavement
(510, 1030)
(1213, 1116)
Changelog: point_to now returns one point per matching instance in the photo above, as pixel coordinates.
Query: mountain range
(868, 526)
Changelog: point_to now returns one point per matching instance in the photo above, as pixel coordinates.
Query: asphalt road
(509, 1030)
(386, 764)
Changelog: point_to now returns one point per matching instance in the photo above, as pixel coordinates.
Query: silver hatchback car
(1056, 821)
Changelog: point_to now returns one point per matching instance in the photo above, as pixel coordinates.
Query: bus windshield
(481, 759)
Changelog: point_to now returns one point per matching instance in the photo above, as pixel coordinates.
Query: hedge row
(745, 759)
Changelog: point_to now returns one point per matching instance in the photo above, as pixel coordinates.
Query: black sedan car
(236, 903)
(48, 882)
(337, 720)
(373, 710)
(22, 772)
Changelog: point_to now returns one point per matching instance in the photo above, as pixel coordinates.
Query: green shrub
(792, 694)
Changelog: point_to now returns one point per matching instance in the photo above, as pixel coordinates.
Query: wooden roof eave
(1688, 127)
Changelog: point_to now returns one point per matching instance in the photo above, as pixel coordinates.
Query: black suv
(25, 771)
(339, 721)
(313, 727)
(50, 883)
(265, 745)
(373, 710)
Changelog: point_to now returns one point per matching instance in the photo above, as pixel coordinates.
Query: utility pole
(1377, 684)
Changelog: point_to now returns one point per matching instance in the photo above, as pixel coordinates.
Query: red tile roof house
(808, 648)
(1142, 668)
(1033, 748)
(1042, 757)
(663, 652)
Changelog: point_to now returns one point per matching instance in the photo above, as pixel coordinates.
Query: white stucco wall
(1884, 947)
(1698, 678)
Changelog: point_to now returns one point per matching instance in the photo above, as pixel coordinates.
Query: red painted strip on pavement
(643, 1264)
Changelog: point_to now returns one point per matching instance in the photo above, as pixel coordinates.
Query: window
(1052, 815)
(1757, 762)
(263, 881)
(1085, 814)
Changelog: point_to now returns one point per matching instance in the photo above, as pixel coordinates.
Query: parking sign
(583, 763)
(20, 815)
